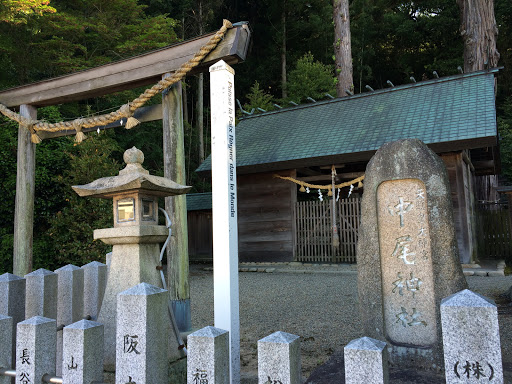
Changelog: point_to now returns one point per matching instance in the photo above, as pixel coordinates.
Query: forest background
(291, 57)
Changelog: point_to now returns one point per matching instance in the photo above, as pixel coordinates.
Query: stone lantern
(135, 237)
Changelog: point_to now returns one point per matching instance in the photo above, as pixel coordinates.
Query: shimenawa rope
(303, 184)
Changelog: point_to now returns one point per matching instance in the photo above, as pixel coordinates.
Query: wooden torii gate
(127, 74)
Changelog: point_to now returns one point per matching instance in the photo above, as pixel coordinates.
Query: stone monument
(407, 252)
(135, 237)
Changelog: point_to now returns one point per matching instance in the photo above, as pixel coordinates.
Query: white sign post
(224, 208)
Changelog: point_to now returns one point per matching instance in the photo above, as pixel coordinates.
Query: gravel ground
(322, 308)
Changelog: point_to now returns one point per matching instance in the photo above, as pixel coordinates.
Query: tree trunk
(478, 29)
(284, 92)
(200, 115)
(185, 99)
(342, 47)
(200, 104)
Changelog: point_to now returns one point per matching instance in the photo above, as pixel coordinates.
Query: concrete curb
(349, 269)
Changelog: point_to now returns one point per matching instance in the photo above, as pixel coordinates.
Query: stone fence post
(471, 339)
(366, 361)
(12, 303)
(35, 349)
(70, 302)
(279, 359)
(95, 282)
(208, 356)
(6, 350)
(142, 336)
(41, 295)
(82, 355)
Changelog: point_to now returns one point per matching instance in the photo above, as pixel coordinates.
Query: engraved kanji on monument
(471, 339)
(407, 252)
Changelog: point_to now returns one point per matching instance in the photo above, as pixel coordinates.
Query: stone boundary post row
(36, 347)
(142, 343)
(208, 358)
(471, 344)
(67, 295)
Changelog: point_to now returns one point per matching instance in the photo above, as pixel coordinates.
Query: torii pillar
(25, 191)
(176, 206)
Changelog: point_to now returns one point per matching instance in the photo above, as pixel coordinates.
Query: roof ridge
(379, 91)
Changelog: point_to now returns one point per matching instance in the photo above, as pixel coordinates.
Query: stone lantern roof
(133, 178)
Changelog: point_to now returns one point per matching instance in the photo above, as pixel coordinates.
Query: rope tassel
(131, 122)
(34, 137)
(77, 126)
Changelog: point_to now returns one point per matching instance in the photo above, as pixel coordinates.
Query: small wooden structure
(494, 230)
(314, 235)
(455, 116)
(199, 220)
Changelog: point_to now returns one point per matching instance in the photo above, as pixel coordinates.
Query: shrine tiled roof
(448, 114)
(199, 201)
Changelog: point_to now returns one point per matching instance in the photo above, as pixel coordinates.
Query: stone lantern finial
(133, 155)
(133, 158)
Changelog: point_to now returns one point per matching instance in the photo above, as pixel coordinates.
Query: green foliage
(18, 11)
(503, 9)
(8, 134)
(81, 34)
(392, 40)
(505, 131)
(71, 229)
(51, 160)
(63, 222)
(258, 98)
(310, 78)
